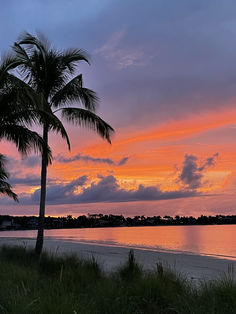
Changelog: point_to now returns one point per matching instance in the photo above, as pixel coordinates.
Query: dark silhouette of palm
(15, 114)
(5, 187)
(48, 74)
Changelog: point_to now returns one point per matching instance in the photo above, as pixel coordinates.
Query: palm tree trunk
(39, 242)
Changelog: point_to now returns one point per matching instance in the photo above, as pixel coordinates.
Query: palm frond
(3, 172)
(5, 187)
(71, 57)
(25, 139)
(9, 62)
(88, 119)
(74, 91)
(41, 43)
(21, 54)
(54, 123)
(18, 102)
(32, 108)
(44, 68)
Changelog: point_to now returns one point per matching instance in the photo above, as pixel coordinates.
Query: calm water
(218, 241)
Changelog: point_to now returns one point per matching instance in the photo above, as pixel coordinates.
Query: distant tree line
(99, 220)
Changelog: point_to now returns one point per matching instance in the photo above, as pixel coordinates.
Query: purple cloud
(107, 189)
(191, 174)
(123, 161)
(61, 193)
(88, 158)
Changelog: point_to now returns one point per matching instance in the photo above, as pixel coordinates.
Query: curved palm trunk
(39, 242)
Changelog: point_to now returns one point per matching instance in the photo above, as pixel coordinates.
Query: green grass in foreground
(68, 285)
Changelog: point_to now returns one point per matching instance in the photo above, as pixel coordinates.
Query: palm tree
(14, 116)
(5, 187)
(51, 77)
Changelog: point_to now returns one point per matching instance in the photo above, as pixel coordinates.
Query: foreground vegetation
(68, 285)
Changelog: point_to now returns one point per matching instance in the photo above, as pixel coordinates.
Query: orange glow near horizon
(155, 156)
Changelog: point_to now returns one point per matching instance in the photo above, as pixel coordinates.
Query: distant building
(6, 224)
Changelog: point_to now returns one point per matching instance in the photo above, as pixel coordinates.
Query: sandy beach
(193, 267)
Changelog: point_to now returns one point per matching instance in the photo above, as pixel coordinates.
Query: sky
(165, 73)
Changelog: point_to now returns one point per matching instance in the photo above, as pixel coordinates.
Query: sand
(194, 267)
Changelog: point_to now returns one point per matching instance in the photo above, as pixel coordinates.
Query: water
(218, 241)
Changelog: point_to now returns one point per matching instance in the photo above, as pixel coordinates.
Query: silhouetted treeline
(100, 220)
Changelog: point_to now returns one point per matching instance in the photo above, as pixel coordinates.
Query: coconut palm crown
(52, 79)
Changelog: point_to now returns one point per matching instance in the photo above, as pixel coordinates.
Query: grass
(68, 285)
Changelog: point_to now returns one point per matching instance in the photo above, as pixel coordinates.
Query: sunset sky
(165, 73)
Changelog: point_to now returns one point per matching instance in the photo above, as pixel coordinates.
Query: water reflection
(206, 240)
(192, 240)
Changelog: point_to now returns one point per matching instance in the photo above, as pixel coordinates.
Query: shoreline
(120, 226)
(139, 248)
(151, 249)
(191, 266)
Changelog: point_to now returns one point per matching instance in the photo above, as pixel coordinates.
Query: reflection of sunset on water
(202, 240)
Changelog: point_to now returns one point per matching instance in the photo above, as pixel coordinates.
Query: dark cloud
(31, 161)
(106, 189)
(28, 180)
(27, 162)
(123, 161)
(88, 158)
(191, 174)
(61, 193)
(210, 161)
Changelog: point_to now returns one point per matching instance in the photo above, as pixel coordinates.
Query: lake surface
(218, 241)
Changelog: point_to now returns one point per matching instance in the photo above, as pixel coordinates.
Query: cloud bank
(107, 189)
(88, 158)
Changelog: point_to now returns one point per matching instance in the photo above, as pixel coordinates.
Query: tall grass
(66, 284)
